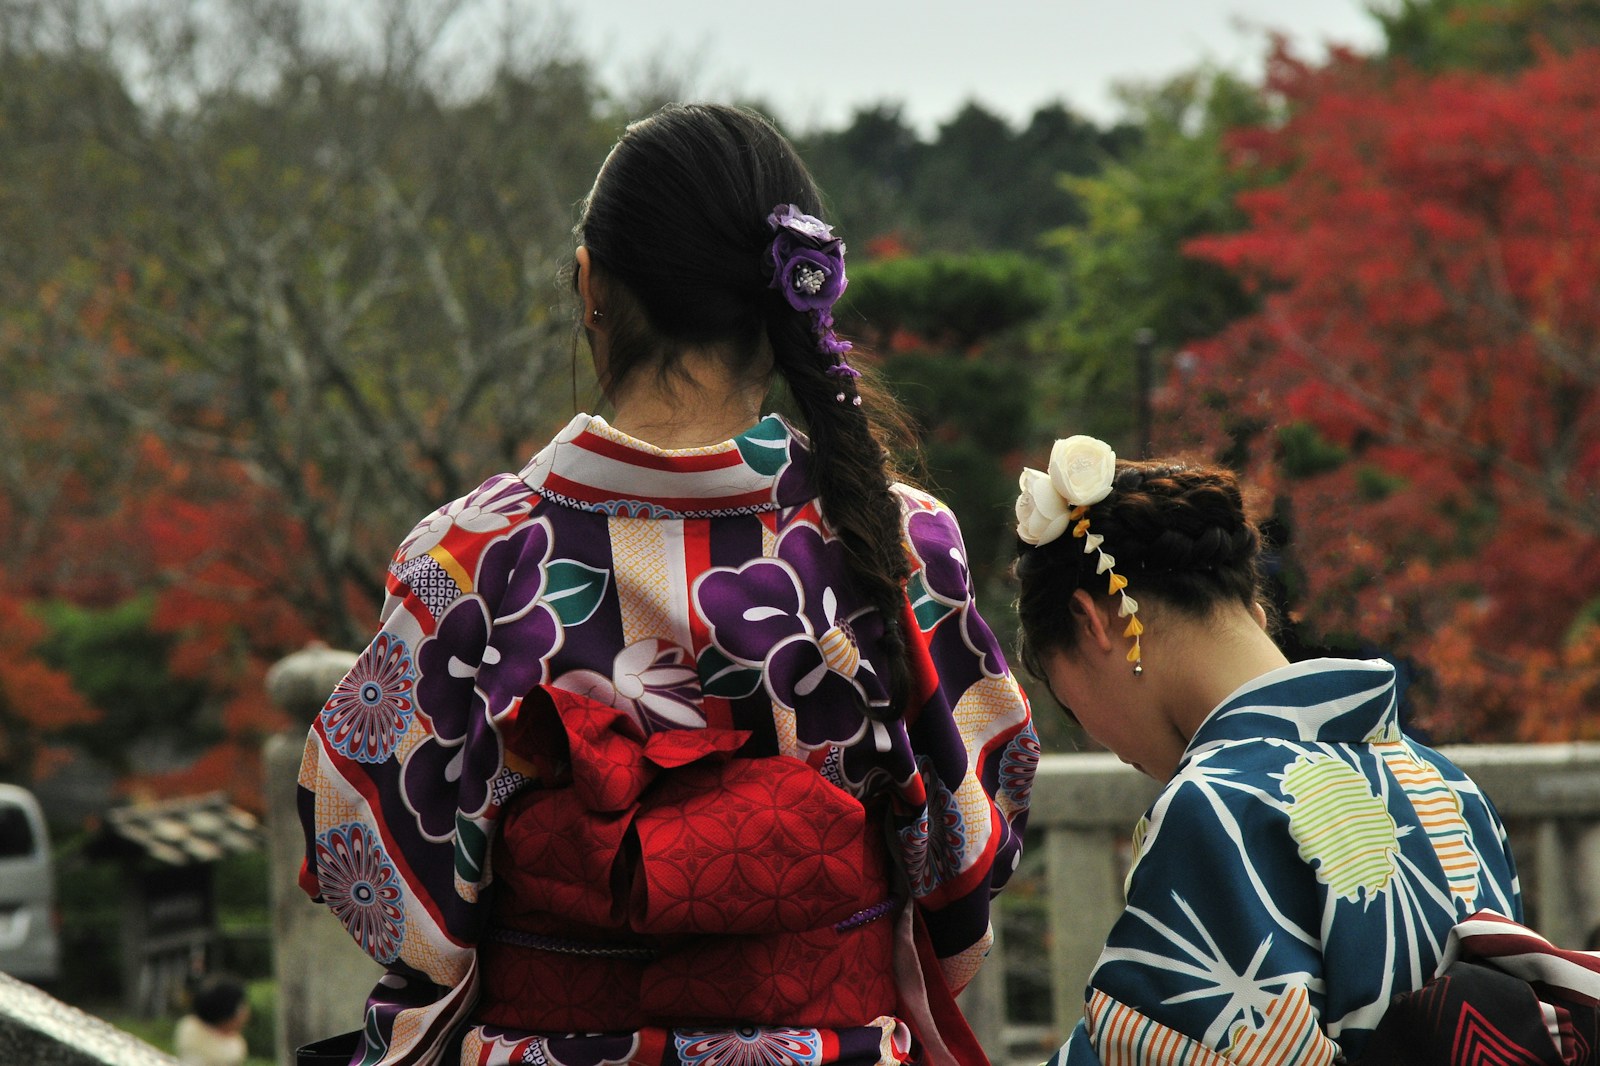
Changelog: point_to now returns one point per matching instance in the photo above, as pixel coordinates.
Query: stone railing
(1053, 920)
(1084, 807)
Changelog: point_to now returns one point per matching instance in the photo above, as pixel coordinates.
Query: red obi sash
(672, 884)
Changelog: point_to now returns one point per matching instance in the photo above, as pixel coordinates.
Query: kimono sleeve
(1212, 960)
(959, 827)
(413, 756)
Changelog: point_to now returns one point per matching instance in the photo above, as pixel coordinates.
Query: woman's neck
(701, 407)
(1225, 651)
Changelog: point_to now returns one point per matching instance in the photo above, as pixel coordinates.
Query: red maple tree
(1421, 384)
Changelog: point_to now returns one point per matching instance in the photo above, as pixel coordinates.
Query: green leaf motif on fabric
(765, 446)
(472, 844)
(721, 676)
(1343, 830)
(929, 612)
(573, 590)
(377, 1040)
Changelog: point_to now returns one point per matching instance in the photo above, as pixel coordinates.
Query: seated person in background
(211, 1034)
(1306, 860)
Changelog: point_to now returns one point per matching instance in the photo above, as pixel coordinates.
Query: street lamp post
(1144, 342)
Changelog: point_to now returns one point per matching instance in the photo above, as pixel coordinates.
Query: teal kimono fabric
(1305, 865)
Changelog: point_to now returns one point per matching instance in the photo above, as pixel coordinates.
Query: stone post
(323, 977)
(1088, 814)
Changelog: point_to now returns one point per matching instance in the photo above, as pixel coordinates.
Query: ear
(1259, 613)
(1089, 620)
(588, 290)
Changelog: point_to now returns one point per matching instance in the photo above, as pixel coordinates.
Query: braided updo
(1180, 535)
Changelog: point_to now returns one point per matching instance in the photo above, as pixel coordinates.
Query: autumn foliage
(1421, 384)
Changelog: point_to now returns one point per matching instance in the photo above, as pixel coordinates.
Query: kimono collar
(594, 467)
(1341, 701)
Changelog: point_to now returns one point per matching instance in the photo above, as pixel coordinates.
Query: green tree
(1124, 268)
(952, 332)
(950, 301)
(115, 659)
(941, 194)
(270, 294)
(1499, 36)
(867, 169)
(338, 268)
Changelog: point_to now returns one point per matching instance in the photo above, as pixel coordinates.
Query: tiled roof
(181, 832)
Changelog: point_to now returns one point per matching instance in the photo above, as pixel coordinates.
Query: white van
(30, 948)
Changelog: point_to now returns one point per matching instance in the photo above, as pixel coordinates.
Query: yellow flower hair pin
(1081, 472)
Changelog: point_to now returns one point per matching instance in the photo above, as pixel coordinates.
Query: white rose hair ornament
(808, 270)
(1081, 473)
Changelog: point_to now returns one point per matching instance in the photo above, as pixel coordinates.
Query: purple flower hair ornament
(807, 259)
(808, 270)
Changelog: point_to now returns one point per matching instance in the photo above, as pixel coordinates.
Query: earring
(596, 315)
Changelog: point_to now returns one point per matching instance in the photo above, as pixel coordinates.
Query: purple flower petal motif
(363, 889)
(795, 487)
(473, 671)
(808, 643)
(372, 707)
(749, 1046)
(752, 608)
(432, 781)
(937, 542)
(941, 584)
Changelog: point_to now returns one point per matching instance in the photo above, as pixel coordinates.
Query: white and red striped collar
(593, 466)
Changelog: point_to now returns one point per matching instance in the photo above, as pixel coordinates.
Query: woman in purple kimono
(685, 744)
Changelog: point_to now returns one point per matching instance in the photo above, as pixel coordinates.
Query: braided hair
(677, 232)
(1180, 534)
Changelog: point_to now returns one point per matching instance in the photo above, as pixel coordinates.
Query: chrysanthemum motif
(1018, 764)
(935, 843)
(372, 707)
(749, 1046)
(362, 888)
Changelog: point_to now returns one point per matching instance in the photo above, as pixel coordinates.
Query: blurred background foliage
(274, 288)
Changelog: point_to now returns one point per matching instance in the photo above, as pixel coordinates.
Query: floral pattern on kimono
(1305, 865)
(689, 590)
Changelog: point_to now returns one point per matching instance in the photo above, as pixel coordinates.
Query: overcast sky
(812, 62)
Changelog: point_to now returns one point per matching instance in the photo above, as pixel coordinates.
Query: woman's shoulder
(502, 501)
(1241, 775)
(924, 517)
(933, 538)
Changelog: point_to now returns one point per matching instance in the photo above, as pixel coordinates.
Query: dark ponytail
(676, 228)
(853, 445)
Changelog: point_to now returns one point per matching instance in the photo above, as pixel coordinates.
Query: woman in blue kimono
(1306, 860)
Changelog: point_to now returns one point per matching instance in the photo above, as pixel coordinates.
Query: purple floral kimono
(687, 590)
